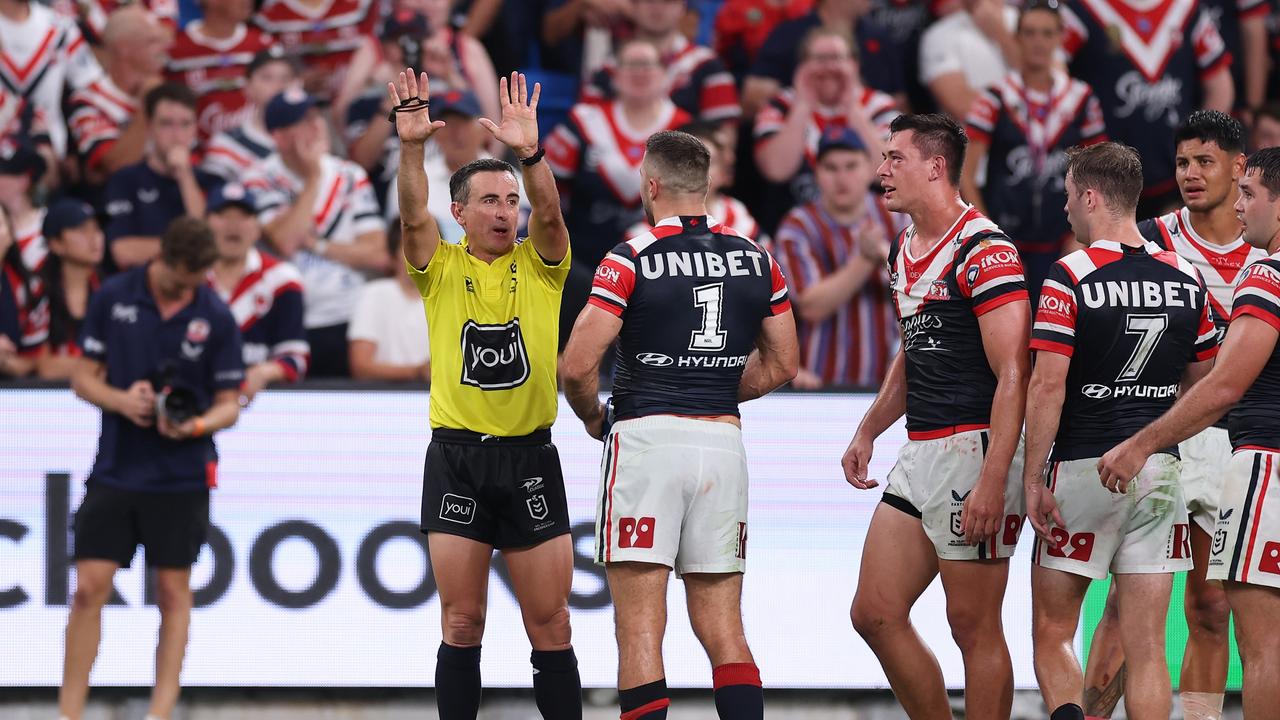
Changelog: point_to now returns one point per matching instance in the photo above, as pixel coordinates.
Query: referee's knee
(463, 628)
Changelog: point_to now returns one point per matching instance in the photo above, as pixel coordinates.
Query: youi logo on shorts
(494, 356)
(459, 509)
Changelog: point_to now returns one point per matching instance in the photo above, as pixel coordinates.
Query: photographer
(162, 358)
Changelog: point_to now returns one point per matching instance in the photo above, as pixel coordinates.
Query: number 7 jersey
(692, 294)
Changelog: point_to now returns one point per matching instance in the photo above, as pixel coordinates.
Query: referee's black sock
(458, 682)
(557, 688)
(738, 692)
(1070, 711)
(646, 702)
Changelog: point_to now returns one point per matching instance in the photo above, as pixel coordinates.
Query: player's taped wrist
(413, 104)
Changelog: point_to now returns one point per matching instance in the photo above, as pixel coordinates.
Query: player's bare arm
(420, 234)
(1046, 394)
(1006, 333)
(593, 333)
(1245, 351)
(889, 405)
(775, 361)
(519, 131)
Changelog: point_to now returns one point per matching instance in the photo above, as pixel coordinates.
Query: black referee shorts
(171, 526)
(507, 492)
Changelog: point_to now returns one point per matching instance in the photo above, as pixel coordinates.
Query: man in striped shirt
(833, 250)
(237, 151)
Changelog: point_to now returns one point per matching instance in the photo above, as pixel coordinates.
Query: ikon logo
(1097, 392)
(655, 359)
(1072, 547)
(456, 508)
(1270, 560)
(1180, 541)
(635, 533)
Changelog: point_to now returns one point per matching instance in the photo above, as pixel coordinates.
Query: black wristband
(535, 158)
(413, 104)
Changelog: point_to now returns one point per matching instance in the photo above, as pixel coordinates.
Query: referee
(492, 477)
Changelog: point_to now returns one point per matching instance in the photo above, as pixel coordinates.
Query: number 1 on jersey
(1150, 328)
(709, 338)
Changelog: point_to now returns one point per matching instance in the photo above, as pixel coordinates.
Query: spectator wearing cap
(778, 60)
(21, 333)
(420, 34)
(264, 293)
(237, 151)
(387, 336)
(68, 280)
(135, 48)
(827, 93)
(21, 167)
(833, 250)
(699, 82)
(462, 140)
(212, 56)
(970, 47)
(320, 213)
(142, 199)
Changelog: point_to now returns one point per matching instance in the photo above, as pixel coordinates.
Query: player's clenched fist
(983, 511)
(857, 462)
(1120, 465)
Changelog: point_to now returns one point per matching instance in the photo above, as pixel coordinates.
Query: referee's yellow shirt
(494, 331)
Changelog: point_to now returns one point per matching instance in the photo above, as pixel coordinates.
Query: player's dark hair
(171, 92)
(802, 52)
(936, 135)
(1112, 169)
(1212, 126)
(679, 160)
(1267, 164)
(188, 244)
(1049, 6)
(460, 182)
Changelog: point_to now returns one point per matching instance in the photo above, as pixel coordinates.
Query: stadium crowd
(264, 118)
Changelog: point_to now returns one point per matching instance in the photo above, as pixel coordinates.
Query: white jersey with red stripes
(98, 116)
(323, 36)
(344, 209)
(29, 237)
(700, 83)
(216, 69)
(235, 153)
(267, 305)
(39, 58)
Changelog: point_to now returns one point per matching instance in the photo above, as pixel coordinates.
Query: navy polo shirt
(142, 202)
(878, 53)
(201, 343)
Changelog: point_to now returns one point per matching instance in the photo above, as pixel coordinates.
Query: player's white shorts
(1204, 468)
(1246, 543)
(674, 492)
(1145, 530)
(933, 478)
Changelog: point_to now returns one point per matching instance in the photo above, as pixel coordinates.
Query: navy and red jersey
(692, 299)
(97, 116)
(700, 83)
(1146, 67)
(26, 291)
(596, 157)
(1255, 421)
(1229, 17)
(939, 297)
(1130, 319)
(1028, 133)
(267, 306)
(323, 37)
(216, 69)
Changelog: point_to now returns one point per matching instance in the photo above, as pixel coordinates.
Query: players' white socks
(1201, 706)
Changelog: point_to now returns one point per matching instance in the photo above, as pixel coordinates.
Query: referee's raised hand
(519, 128)
(412, 115)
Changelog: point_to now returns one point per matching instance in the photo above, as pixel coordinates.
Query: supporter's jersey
(1220, 266)
(597, 155)
(29, 237)
(33, 314)
(236, 152)
(1146, 69)
(939, 297)
(91, 15)
(324, 37)
(344, 209)
(267, 306)
(880, 108)
(216, 70)
(21, 122)
(700, 83)
(63, 334)
(1130, 319)
(691, 299)
(1028, 133)
(1228, 16)
(1255, 422)
(42, 56)
(98, 114)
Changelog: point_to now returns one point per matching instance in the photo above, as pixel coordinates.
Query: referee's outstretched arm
(420, 235)
(519, 131)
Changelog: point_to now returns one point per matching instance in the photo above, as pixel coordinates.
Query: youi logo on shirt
(494, 356)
